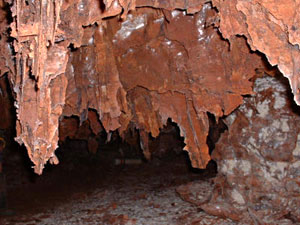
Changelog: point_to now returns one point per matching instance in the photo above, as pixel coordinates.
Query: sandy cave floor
(95, 191)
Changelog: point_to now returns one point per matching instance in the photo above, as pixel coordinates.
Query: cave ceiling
(139, 62)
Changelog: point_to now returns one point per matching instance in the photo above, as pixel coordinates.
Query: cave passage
(114, 185)
(154, 112)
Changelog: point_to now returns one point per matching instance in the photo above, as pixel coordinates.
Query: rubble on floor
(143, 194)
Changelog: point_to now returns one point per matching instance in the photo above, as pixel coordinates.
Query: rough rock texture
(6, 63)
(142, 69)
(7, 117)
(138, 63)
(258, 179)
(271, 27)
(126, 84)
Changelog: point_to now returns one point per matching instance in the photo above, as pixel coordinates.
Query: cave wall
(258, 160)
(143, 69)
(258, 169)
(165, 59)
(122, 72)
(270, 27)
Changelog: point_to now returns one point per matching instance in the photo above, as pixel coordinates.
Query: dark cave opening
(117, 172)
(81, 172)
(117, 164)
(133, 65)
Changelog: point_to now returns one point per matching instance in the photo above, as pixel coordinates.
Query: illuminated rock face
(153, 65)
(271, 27)
(258, 158)
(137, 63)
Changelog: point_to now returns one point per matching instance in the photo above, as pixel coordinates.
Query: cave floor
(75, 193)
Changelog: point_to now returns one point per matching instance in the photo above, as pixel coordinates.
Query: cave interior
(149, 112)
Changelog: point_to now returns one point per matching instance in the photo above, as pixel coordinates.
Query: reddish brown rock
(197, 192)
(141, 68)
(7, 68)
(142, 93)
(271, 27)
(258, 158)
(6, 62)
(184, 85)
(135, 64)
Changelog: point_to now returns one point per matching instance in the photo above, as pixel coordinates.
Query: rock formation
(79, 67)
(258, 177)
(138, 61)
(139, 67)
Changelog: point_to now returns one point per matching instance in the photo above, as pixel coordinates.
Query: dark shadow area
(81, 172)
(118, 163)
(102, 5)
